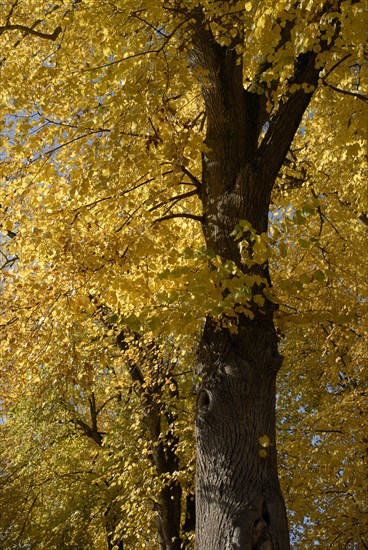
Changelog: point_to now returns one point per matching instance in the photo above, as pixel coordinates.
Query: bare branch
(88, 431)
(28, 30)
(9, 323)
(9, 262)
(54, 149)
(101, 407)
(14, 5)
(335, 65)
(192, 178)
(345, 92)
(117, 61)
(181, 215)
(175, 199)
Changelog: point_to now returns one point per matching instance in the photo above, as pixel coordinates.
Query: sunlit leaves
(101, 146)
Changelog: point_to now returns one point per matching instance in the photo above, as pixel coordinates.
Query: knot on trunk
(261, 538)
(204, 401)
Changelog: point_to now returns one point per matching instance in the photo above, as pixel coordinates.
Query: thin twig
(177, 198)
(180, 215)
(345, 92)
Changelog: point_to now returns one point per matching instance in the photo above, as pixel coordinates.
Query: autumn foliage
(106, 279)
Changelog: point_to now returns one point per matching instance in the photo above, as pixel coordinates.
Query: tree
(73, 481)
(161, 162)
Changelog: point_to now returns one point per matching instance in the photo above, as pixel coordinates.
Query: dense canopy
(107, 276)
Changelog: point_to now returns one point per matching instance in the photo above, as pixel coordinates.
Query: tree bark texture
(239, 502)
(168, 504)
(239, 505)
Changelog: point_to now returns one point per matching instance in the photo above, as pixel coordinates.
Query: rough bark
(239, 504)
(163, 452)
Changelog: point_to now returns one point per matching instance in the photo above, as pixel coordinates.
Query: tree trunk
(163, 451)
(239, 503)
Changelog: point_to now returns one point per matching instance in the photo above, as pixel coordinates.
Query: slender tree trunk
(163, 452)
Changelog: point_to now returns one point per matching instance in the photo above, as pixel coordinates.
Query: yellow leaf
(264, 441)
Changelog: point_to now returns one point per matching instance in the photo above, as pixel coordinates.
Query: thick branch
(285, 123)
(28, 30)
(89, 432)
(192, 178)
(283, 127)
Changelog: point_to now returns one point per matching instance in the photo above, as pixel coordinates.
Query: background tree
(160, 161)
